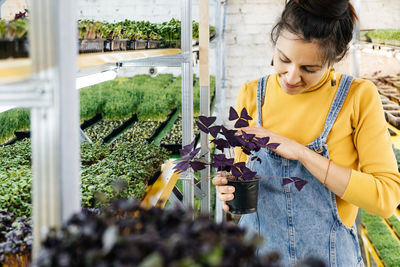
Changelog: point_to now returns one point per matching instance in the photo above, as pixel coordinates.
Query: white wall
(248, 48)
(379, 14)
(11, 7)
(249, 22)
(152, 10)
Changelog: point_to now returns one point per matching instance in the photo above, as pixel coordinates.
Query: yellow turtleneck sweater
(359, 138)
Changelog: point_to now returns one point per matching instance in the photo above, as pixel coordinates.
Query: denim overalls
(300, 224)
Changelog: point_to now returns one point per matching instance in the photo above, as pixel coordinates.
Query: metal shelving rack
(48, 90)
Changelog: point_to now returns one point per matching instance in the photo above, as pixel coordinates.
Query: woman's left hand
(287, 148)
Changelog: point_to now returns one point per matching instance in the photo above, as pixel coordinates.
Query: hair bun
(334, 9)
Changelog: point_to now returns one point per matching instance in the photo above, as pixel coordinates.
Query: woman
(332, 133)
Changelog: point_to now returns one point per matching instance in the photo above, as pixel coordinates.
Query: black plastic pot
(91, 45)
(140, 44)
(130, 45)
(15, 48)
(246, 196)
(153, 44)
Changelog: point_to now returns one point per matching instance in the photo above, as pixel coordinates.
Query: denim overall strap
(261, 84)
(319, 144)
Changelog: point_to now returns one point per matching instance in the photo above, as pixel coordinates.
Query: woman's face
(297, 63)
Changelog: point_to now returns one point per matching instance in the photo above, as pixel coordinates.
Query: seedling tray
(119, 129)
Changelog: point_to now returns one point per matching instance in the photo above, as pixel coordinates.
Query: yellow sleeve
(247, 98)
(242, 98)
(375, 187)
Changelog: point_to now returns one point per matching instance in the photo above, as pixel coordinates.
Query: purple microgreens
(241, 121)
(205, 123)
(298, 182)
(273, 145)
(222, 163)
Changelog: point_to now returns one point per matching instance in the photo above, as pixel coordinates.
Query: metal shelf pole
(219, 88)
(187, 96)
(55, 128)
(204, 99)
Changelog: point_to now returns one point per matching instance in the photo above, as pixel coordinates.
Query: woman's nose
(293, 76)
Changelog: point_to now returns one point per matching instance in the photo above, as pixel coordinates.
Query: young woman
(332, 133)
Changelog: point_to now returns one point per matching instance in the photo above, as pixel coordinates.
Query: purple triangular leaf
(194, 152)
(202, 128)
(248, 137)
(262, 141)
(240, 164)
(187, 149)
(236, 172)
(214, 131)
(286, 181)
(197, 165)
(233, 114)
(241, 123)
(221, 144)
(207, 121)
(273, 145)
(181, 167)
(245, 115)
(248, 175)
(299, 183)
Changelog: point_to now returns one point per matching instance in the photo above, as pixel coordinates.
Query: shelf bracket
(27, 94)
(160, 61)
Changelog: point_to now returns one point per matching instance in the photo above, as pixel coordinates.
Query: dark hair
(329, 22)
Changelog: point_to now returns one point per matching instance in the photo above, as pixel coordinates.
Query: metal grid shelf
(13, 70)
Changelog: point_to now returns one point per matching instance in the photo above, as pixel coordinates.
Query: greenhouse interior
(134, 133)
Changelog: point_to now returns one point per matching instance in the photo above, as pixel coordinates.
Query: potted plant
(89, 36)
(239, 174)
(154, 40)
(140, 40)
(18, 32)
(3, 41)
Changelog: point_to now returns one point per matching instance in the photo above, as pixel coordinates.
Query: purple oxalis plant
(227, 139)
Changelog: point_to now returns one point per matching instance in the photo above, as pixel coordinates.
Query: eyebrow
(311, 66)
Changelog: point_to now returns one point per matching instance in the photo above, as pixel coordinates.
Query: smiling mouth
(290, 86)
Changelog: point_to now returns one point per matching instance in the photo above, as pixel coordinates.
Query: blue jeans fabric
(301, 224)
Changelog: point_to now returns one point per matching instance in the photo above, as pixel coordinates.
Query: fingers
(225, 197)
(219, 179)
(225, 207)
(225, 192)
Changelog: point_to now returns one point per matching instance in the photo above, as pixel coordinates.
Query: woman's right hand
(225, 192)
